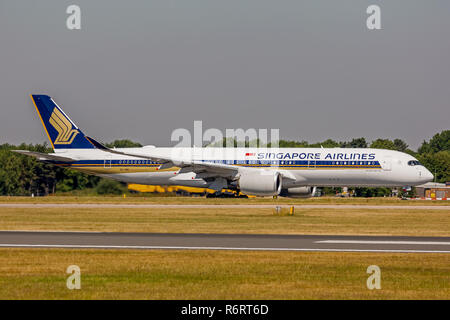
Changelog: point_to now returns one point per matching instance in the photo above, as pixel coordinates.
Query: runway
(215, 206)
(171, 241)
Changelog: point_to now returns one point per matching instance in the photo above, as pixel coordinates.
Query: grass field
(132, 274)
(406, 222)
(175, 274)
(139, 199)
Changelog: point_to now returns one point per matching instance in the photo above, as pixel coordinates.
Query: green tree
(23, 175)
(123, 143)
(107, 186)
(355, 143)
(439, 142)
(435, 155)
(438, 164)
(372, 192)
(400, 145)
(329, 143)
(292, 144)
(383, 144)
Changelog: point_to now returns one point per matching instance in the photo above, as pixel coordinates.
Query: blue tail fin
(61, 131)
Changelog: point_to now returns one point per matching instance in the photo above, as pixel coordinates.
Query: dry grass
(133, 274)
(170, 274)
(139, 199)
(407, 222)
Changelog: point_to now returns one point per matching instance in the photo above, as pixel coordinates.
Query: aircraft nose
(426, 175)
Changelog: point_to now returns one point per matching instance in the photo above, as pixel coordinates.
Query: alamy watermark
(373, 21)
(374, 280)
(214, 137)
(73, 21)
(74, 280)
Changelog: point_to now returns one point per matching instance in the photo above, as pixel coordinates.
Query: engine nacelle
(298, 192)
(261, 184)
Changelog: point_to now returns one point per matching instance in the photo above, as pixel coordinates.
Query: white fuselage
(303, 166)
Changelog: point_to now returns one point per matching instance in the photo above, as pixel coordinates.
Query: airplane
(291, 172)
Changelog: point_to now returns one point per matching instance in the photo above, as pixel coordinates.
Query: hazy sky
(140, 69)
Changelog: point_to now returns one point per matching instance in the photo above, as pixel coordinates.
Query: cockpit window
(414, 163)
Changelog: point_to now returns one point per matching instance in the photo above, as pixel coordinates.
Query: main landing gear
(226, 194)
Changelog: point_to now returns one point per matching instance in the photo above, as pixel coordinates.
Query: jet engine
(260, 184)
(298, 192)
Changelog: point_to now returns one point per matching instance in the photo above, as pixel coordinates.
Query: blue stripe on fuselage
(246, 163)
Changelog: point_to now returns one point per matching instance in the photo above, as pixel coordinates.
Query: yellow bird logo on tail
(66, 134)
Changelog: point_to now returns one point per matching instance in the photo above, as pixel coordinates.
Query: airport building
(433, 190)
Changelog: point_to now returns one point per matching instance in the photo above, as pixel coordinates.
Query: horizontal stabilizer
(43, 156)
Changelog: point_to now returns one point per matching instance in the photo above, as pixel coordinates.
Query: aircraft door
(311, 164)
(386, 165)
(107, 163)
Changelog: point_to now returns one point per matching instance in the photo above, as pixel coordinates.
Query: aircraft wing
(43, 156)
(205, 169)
(186, 165)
